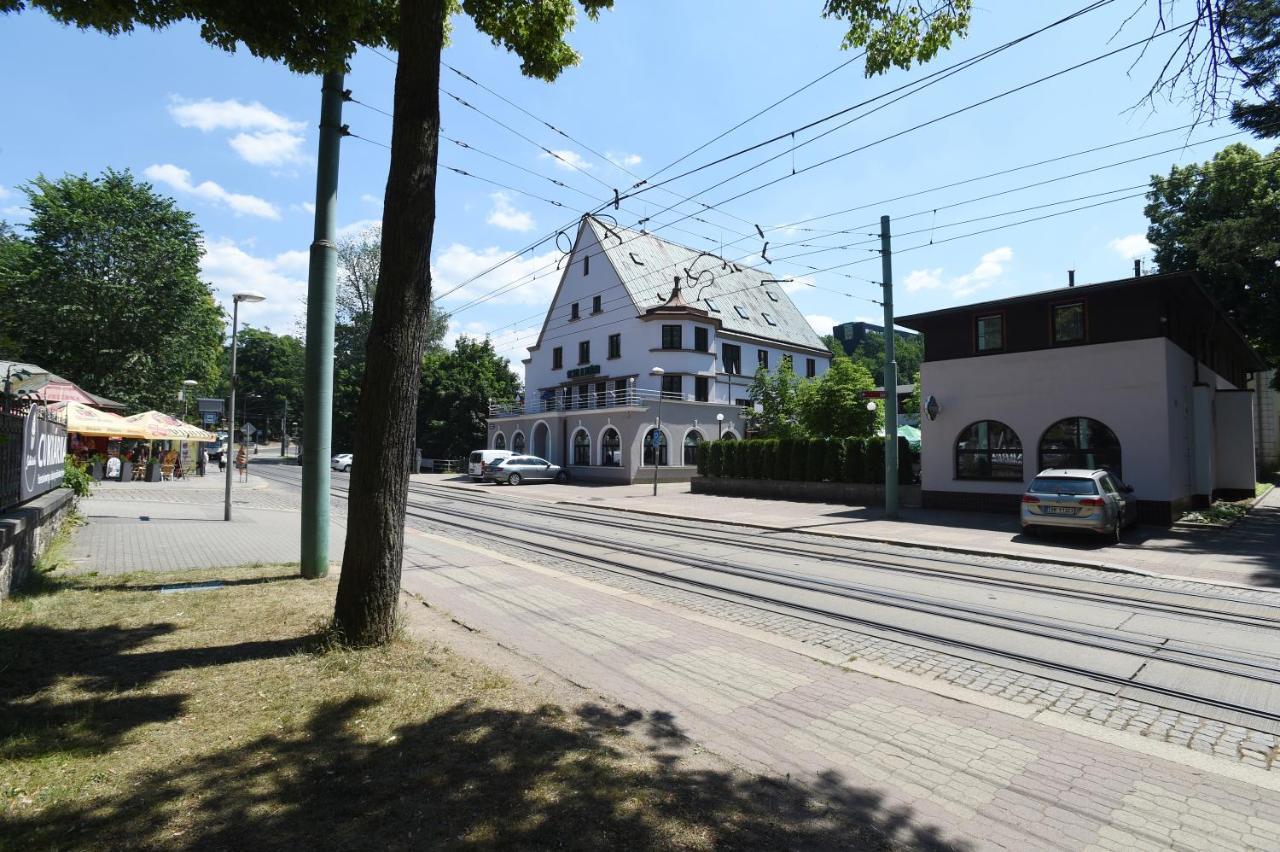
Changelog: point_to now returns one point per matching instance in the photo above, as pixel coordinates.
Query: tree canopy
(1222, 220)
(270, 368)
(106, 290)
(834, 407)
(457, 388)
(908, 352)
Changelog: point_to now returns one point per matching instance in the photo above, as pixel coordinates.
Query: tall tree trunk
(369, 588)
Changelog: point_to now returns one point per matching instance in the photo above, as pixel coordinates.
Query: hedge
(859, 460)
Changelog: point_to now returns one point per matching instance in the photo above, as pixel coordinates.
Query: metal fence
(10, 459)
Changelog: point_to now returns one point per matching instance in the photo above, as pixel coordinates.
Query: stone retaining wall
(25, 532)
(848, 493)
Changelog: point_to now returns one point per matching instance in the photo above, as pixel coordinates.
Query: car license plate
(1059, 510)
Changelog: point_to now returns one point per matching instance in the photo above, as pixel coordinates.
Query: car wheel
(477, 479)
(562, 477)
(1119, 529)
(1031, 530)
(346, 468)
(513, 479)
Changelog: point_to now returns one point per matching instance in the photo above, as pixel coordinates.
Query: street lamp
(657, 432)
(236, 299)
(719, 424)
(187, 385)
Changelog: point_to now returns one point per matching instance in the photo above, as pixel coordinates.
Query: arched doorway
(691, 441)
(611, 448)
(581, 448)
(499, 441)
(541, 441)
(517, 443)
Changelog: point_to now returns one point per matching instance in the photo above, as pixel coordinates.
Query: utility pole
(284, 428)
(890, 378)
(322, 274)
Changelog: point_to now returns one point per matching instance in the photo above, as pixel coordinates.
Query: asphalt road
(1212, 652)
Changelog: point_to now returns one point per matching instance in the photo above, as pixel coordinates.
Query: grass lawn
(218, 719)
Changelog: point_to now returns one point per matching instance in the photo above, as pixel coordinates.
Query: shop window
(989, 449)
(989, 331)
(581, 448)
(1080, 442)
(1068, 323)
(731, 355)
(655, 437)
(671, 337)
(611, 449)
(691, 442)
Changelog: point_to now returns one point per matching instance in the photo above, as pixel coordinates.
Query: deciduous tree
(457, 388)
(833, 406)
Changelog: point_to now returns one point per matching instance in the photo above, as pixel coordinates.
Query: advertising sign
(44, 449)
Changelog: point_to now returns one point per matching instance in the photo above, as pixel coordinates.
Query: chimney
(1071, 278)
(1137, 267)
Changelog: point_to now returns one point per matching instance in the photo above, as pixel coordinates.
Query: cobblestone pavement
(1234, 743)
(941, 770)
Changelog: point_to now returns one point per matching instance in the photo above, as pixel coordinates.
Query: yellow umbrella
(161, 427)
(83, 420)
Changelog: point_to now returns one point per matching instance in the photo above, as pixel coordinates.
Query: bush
(769, 462)
(715, 459)
(740, 450)
(730, 458)
(855, 459)
(75, 475)
(799, 458)
(874, 472)
(815, 462)
(755, 459)
(703, 457)
(835, 461)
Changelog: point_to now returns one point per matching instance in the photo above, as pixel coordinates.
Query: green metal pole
(890, 378)
(322, 275)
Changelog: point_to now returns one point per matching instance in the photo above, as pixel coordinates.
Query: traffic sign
(249, 429)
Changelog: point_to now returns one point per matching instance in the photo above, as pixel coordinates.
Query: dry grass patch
(134, 716)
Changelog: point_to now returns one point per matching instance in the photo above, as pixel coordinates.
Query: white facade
(1184, 432)
(614, 318)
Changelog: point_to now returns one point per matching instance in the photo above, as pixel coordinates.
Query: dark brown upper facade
(1173, 305)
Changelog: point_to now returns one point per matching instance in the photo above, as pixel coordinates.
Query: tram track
(611, 555)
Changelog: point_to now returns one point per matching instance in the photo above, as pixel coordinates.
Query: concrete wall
(25, 532)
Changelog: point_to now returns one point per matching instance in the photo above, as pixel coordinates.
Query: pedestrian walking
(242, 464)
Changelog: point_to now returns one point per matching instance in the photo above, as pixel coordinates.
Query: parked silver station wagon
(1068, 498)
(519, 469)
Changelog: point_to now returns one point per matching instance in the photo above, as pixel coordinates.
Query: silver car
(519, 469)
(1094, 500)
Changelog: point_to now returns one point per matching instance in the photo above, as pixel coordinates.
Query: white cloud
(568, 160)
(370, 198)
(989, 269)
(229, 268)
(798, 282)
(458, 262)
(358, 227)
(624, 160)
(5, 192)
(821, 323)
(241, 204)
(306, 207)
(1132, 246)
(505, 215)
(266, 138)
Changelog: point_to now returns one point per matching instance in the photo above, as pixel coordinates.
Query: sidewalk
(1248, 554)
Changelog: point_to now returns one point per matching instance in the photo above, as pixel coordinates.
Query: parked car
(341, 462)
(479, 458)
(519, 469)
(1069, 498)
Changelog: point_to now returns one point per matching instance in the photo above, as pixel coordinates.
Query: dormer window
(711, 306)
(742, 312)
(773, 297)
(636, 260)
(767, 318)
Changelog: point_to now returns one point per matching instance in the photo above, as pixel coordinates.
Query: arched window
(611, 449)
(1080, 442)
(517, 443)
(499, 441)
(581, 447)
(989, 449)
(655, 436)
(729, 436)
(691, 442)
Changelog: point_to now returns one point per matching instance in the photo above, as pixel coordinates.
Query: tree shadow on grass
(470, 777)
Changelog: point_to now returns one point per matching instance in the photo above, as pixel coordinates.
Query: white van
(480, 458)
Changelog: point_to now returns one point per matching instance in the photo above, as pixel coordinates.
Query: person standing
(242, 464)
(202, 463)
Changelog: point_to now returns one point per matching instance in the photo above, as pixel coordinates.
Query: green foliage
(271, 369)
(1222, 220)
(755, 459)
(899, 34)
(837, 450)
(715, 458)
(908, 352)
(798, 462)
(815, 462)
(107, 290)
(777, 393)
(75, 475)
(833, 406)
(855, 459)
(704, 457)
(874, 464)
(913, 403)
(769, 463)
(1253, 26)
(457, 389)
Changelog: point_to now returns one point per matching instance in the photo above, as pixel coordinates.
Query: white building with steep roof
(629, 302)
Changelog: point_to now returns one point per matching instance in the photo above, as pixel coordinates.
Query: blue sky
(233, 139)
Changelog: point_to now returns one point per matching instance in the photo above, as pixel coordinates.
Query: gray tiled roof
(647, 264)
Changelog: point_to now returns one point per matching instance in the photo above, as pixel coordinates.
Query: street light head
(657, 371)
(871, 406)
(720, 417)
(248, 296)
(190, 382)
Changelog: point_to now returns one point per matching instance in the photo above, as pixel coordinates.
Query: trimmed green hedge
(803, 459)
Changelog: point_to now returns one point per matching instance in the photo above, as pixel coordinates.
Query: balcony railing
(589, 400)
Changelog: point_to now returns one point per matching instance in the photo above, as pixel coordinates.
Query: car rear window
(1063, 485)
(476, 456)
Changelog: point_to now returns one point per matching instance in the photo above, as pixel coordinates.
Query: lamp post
(657, 432)
(719, 424)
(236, 299)
(187, 385)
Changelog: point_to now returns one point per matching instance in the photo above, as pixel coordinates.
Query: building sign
(44, 450)
(578, 372)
